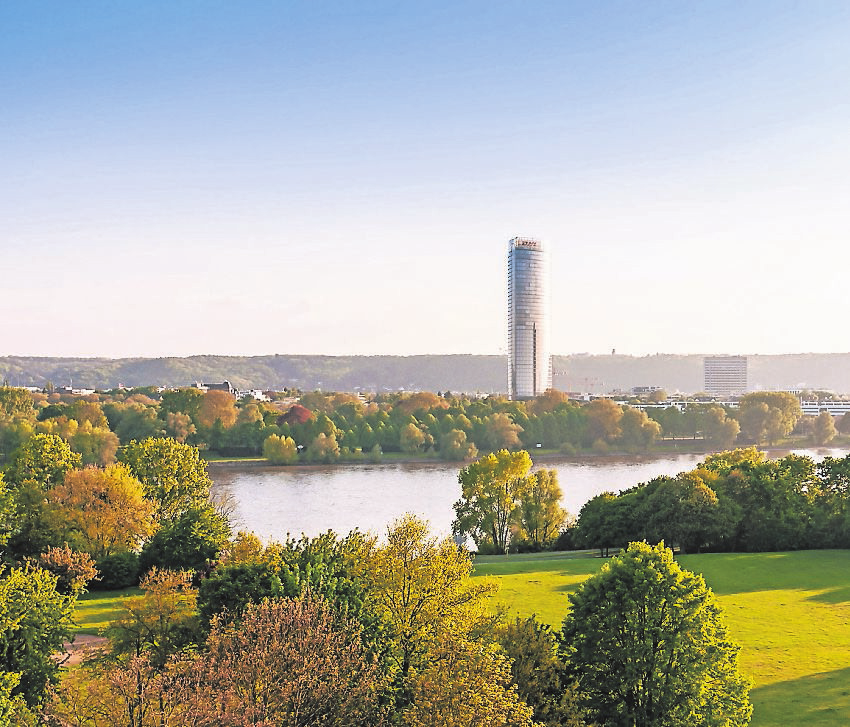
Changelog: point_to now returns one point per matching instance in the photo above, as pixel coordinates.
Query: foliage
(824, 428)
(287, 662)
(174, 475)
(101, 512)
(541, 516)
(647, 646)
(161, 623)
(73, 570)
(217, 406)
(492, 490)
(230, 588)
(538, 674)
(468, 684)
(117, 570)
(280, 450)
(455, 446)
(422, 587)
(42, 461)
(190, 542)
(35, 620)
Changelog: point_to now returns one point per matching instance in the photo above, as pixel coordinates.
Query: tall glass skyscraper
(529, 356)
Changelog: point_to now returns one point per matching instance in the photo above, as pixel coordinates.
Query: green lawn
(96, 609)
(789, 611)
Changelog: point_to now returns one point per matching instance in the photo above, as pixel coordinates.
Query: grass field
(96, 609)
(789, 611)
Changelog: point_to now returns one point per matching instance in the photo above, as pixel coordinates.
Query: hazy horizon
(344, 179)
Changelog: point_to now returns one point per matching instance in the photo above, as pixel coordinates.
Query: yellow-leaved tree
(437, 615)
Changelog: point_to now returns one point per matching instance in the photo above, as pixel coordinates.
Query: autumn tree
(501, 432)
(719, 429)
(646, 643)
(280, 450)
(411, 438)
(455, 446)
(73, 569)
(492, 490)
(324, 448)
(602, 421)
(637, 431)
(292, 662)
(101, 511)
(217, 406)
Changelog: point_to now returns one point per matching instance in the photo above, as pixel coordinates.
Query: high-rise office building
(725, 375)
(529, 355)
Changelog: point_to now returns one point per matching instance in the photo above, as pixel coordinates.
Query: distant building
(223, 386)
(725, 375)
(529, 353)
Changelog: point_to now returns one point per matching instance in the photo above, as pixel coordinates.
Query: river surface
(275, 501)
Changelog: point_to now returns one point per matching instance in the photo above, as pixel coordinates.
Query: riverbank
(663, 449)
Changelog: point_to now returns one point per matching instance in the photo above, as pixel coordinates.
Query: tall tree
(646, 642)
(492, 491)
(824, 428)
(541, 516)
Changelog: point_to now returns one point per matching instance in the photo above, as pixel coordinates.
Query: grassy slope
(789, 611)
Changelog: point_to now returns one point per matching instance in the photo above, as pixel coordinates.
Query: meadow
(790, 612)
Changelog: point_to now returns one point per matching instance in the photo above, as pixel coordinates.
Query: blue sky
(250, 178)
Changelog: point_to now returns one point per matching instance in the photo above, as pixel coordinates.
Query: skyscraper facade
(529, 355)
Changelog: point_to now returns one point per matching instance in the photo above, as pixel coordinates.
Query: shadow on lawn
(816, 700)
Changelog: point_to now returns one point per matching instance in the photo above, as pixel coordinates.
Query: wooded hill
(457, 373)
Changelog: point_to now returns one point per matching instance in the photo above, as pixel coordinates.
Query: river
(274, 501)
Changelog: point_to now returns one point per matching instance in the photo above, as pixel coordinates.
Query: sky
(343, 177)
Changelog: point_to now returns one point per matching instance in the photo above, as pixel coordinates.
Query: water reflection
(274, 501)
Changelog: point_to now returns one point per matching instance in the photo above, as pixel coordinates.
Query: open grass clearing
(96, 609)
(789, 611)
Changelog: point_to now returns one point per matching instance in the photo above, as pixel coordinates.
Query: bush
(118, 570)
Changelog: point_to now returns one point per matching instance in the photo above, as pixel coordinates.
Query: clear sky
(319, 177)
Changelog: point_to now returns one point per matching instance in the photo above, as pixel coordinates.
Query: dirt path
(83, 645)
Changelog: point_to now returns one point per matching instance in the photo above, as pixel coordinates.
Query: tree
(161, 623)
(35, 620)
(541, 515)
(73, 570)
(288, 662)
(217, 406)
(280, 450)
(173, 474)
(603, 421)
(501, 432)
(537, 673)
(718, 428)
(423, 588)
(191, 542)
(824, 429)
(324, 448)
(411, 438)
(42, 461)
(102, 512)
(455, 447)
(467, 685)
(637, 431)
(647, 645)
(230, 588)
(768, 415)
(492, 490)
(179, 426)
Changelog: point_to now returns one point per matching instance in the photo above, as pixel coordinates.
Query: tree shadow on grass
(818, 700)
(833, 595)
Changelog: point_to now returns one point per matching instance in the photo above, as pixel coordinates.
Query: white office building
(725, 375)
(529, 353)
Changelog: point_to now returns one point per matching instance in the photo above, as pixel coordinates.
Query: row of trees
(733, 501)
(329, 427)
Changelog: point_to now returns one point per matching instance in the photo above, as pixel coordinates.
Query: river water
(275, 501)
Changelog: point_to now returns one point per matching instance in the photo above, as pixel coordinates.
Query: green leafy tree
(42, 461)
(492, 491)
(637, 431)
(538, 674)
(718, 428)
(412, 438)
(190, 542)
(35, 620)
(173, 474)
(230, 588)
(647, 646)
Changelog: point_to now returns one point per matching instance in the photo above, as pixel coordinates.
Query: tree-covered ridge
(459, 372)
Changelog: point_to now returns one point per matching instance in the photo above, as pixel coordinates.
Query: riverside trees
(501, 498)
